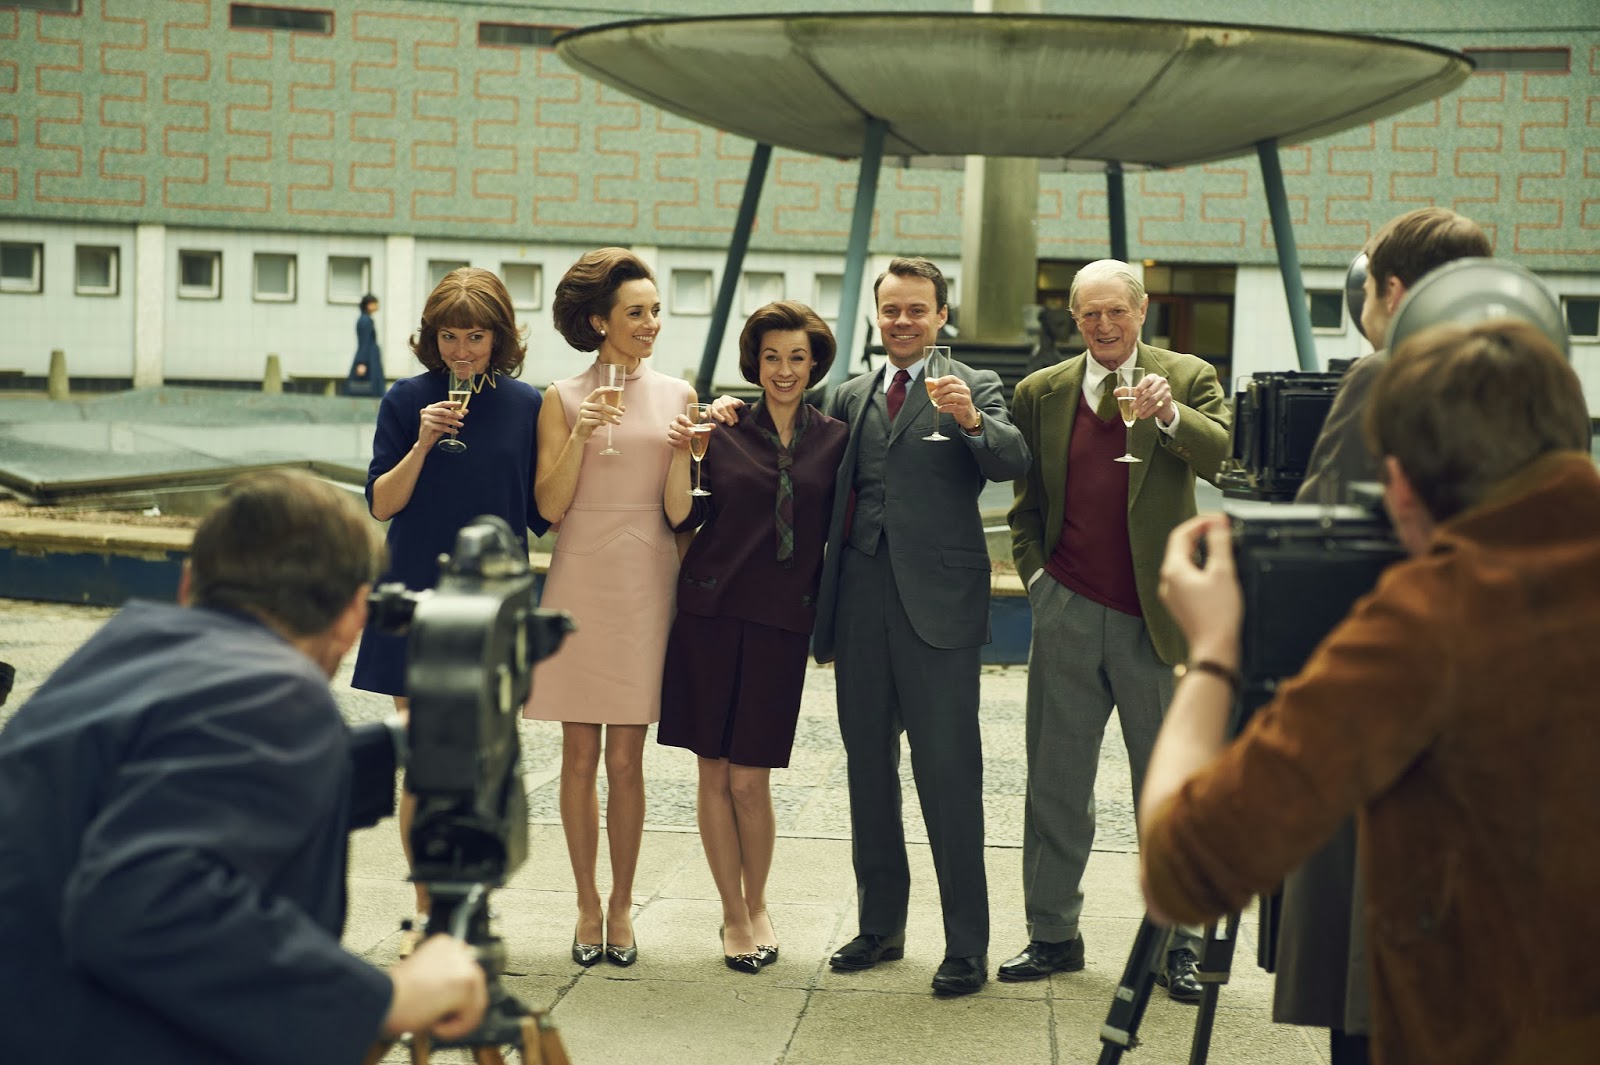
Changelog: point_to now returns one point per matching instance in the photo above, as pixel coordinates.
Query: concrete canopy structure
(1109, 92)
(1139, 92)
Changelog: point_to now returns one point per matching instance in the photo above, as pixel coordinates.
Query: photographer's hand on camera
(1201, 589)
(440, 988)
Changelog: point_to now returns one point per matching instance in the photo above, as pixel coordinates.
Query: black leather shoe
(585, 954)
(1179, 977)
(1039, 959)
(961, 976)
(867, 950)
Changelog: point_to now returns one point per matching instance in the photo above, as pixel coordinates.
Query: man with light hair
(1088, 527)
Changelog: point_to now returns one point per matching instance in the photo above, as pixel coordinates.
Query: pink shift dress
(615, 564)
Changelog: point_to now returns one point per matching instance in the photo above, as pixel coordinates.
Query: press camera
(473, 642)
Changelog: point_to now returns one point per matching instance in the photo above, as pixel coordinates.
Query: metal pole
(734, 266)
(855, 259)
(1118, 210)
(1288, 257)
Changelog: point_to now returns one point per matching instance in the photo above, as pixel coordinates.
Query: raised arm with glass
(700, 426)
(612, 378)
(459, 393)
(935, 364)
(1129, 376)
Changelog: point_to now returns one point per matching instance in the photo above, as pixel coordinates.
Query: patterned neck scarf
(784, 512)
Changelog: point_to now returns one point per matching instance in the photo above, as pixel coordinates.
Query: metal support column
(1288, 257)
(855, 259)
(737, 246)
(1117, 208)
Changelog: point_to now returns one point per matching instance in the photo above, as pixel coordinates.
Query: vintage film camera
(473, 642)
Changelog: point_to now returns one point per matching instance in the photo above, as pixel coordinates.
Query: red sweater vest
(1093, 557)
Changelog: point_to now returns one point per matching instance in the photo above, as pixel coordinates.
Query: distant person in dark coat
(174, 803)
(366, 369)
(747, 601)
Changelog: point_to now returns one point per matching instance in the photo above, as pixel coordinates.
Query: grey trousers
(1084, 659)
(890, 681)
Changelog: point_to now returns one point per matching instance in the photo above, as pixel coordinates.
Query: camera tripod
(463, 909)
(1120, 1032)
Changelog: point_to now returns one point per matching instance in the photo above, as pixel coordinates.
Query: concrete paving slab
(874, 1027)
(648, 1022)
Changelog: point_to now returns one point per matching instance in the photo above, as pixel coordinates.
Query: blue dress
(493, 476)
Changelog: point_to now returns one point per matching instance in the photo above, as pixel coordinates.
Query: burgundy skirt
(731, 689)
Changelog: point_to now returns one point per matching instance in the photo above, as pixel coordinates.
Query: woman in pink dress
(615, 568)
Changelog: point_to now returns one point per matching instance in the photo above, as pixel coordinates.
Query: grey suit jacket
(932, 529)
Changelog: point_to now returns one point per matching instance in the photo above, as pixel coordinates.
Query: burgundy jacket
(732, 567)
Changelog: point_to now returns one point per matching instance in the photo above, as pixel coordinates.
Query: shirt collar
(915, 370)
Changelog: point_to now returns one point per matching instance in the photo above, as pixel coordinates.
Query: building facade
(188, 186)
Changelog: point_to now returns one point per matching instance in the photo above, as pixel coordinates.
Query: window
(274, 278)
(437, 268)
(1583, 316)
(21, 267)
(1327, 309)
(525, 282)
(97, 271)
(1533, 60)
(349, 278)
(825, 294)
(200, 275)
(691, 292)
(69, 7)
(294, 19)
(515, 35)
(761, 289)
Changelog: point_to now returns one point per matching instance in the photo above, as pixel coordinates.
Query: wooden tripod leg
(421, 1047)
(532, 1052)
(488, 1055)
(376, 1054)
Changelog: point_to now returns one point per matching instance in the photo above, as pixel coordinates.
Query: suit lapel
(1058, 411)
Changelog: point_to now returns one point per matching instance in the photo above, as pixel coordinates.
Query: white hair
(1107, 270)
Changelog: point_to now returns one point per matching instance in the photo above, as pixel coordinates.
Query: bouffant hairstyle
(786, 315)
(914, 267)
(286, 547)
(471, 298)
(1463, 408)
(589, 290)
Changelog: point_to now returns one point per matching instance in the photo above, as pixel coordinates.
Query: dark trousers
(890, 681)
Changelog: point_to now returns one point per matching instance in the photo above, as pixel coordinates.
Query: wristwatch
(976, 429)
(1230, 677)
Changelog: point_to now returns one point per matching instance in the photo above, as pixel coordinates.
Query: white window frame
(1344, 316)
(113, 256)
(753, 302)
(32, 284)
(436, 275)
(1581, 338)
(363, 288)
(819, 303)
(256, 292)
(201, 292)
(681, 303)
(537, 301)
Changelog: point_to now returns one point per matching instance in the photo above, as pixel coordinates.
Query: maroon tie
(897, 392)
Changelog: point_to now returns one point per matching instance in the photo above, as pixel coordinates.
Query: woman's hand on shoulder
(725, 409)
(679, 431)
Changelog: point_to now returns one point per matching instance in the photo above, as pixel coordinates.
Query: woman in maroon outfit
(736, 658)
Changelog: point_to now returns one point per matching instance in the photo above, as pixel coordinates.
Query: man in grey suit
(903, 609)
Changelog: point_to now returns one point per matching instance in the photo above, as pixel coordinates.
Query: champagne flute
(612, 376)
(460, 393)
(935, 364)
(1131, 376)
(700, 427)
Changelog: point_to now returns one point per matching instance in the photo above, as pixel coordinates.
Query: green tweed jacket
(1160, 488)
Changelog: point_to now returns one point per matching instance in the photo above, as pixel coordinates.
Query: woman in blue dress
(427, 494)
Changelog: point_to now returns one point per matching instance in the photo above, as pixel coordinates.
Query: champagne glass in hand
(1131, 376)
(935, 364)
(612, 376)
(700, 426)
(460, 394)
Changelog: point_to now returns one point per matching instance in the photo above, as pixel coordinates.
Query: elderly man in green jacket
(1088, 529)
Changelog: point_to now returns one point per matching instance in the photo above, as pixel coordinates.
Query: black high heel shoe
(748, 963)
(768, 952)
(585, 954)
(623, 956)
